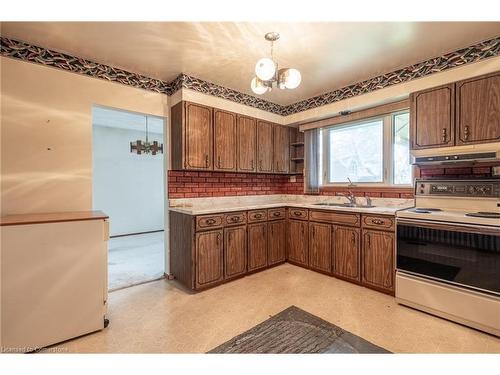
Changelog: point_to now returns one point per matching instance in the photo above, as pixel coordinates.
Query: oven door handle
(454, 227)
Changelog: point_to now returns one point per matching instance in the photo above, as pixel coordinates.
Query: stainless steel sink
(343, 205)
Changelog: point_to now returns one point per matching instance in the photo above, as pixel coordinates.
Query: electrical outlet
(495, 171)
(293, 178)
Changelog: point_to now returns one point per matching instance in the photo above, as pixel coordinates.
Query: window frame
(387, 153)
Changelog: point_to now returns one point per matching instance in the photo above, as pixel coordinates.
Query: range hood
(458, 155)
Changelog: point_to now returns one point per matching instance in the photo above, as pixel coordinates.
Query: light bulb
(292, 78)
(258, 86)
(265, 69)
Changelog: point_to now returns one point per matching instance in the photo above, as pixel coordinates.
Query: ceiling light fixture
(145, 147)
(267, 72)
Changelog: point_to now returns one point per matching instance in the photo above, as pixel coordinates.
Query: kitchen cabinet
(235, 251)
(377, 259)
(281, 153)
(346, 253)
(192, 136)
(247, 144)
(320, 248)
(298, 242)
(277, 242)
(257, 246)
(432, 117)
(264, 146)
(224, 141)
(209, 258)
(478, 109)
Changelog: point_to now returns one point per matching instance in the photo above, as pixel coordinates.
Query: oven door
(461, 254)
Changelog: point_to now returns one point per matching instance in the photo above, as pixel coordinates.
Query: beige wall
(45, 108)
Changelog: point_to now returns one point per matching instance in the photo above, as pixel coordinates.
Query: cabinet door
(346, 252)
(298, 239)
(478, 110)
(432, 117)
(247, 147)
(235, 251)
(377, 259)
(264, 146)
(277, 242)
(224, 141)
(320, 246)
(281, 149)
(209, 258)
(257, 246)
(198, 137)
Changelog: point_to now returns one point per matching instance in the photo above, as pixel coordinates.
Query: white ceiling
(329, 55)
(113, 118)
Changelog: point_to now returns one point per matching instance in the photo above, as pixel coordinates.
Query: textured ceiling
(329, 55)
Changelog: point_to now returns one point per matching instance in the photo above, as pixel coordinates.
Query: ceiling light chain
(267, 72)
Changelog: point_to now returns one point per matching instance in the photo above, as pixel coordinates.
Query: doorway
(130, 188)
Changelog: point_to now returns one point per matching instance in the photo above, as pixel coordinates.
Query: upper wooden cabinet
(281, 149)
(192, 136)
(432, 117)
(264, 146)
(247, 144)
(460, 113)
(224, 141)
(478, 110)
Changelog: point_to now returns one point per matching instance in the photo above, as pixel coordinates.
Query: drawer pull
(377, 221)
(277, 213)
(210, 221)
(258, 216)
(297, 213)
(235, 219)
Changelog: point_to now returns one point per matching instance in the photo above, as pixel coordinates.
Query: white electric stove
(448, 251)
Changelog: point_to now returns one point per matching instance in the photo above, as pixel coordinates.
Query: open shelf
(296, 151)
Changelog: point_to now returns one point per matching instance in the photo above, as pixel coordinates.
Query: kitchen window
(372, 152)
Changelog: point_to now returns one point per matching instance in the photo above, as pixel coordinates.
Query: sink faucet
(350, 196)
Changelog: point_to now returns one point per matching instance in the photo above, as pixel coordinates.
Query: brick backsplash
(187, 184)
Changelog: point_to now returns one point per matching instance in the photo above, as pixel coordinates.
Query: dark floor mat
(296, 331)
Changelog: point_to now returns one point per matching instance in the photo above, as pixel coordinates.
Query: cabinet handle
(466, 132)
(210, 221)
(258, 216)
(218, 161)
(377, 221)
(218, 239)
(353, 238)
(277, 167)
(260, 165)
(443, 135)
(235, 219)
(277, 214)
(297, 213)
(302, 229)
(251, 164)
(206, 161)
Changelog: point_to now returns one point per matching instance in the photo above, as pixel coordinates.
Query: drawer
(298, 213)
(235, 218)
(276, 213)
(336, 217)
(378, 222)
(257, 215)
(209, 221)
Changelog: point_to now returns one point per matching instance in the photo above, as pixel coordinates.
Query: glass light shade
(265, 69)
(292, 78)
(258, 86)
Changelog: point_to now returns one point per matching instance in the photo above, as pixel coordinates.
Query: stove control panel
(458, 188)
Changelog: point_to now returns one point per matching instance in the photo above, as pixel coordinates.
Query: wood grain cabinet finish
(281, 154)
(298, 242)
(246, 144)
(198, 135)
(264, 146)
(257, 246)
(209, 258)
(377, 260)
(205, 222)
(298, 213)
(432, 117)
(224, 141)
(235, 218)
(478, 109)
(378, 222)
(276, 213)
(346, 251)
(235, 252)
(320, 247)
(334, 217)
(276, 247)
(255, 216)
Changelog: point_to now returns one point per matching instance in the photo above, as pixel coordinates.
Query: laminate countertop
(51, 217)
(204, 206)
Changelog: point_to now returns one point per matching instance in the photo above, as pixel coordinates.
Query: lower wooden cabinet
(377, 260)
(320, 248)
(276, 246)
(346, 251)
(298, 242)
(235, 251)
(209, 258)
(257, 246)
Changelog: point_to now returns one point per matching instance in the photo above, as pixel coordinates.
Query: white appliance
(448, 252)
(53, 278)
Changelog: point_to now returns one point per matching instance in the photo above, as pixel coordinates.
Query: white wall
(128, 187)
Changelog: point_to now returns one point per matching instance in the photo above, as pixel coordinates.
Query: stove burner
(420, 210)
(492, 215)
